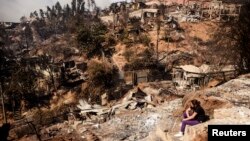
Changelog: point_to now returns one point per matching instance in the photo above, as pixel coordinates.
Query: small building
(171, 2)
(153, 4)
(145, 14)
(216, 8)
(150, 13)
(187, 76)
(135, 77)
(192, 77)
(137, 5)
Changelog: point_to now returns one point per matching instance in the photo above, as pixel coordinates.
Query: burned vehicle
(70, 73)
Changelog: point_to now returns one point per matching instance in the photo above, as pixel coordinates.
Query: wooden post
(158, 22)
(157, 44)
(210, 12)
(220, 5)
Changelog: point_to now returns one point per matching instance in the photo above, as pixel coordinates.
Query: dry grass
(65, 99)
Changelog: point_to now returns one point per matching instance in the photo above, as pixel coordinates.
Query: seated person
(195, 114)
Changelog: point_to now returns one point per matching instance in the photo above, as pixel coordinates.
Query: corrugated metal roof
(151, 10)
(203, 69)
(153, 3)
(107, 19)
(228, 68)
(138, 13)
(191, 68)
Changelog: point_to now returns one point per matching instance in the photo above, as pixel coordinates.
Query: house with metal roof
(190, 76)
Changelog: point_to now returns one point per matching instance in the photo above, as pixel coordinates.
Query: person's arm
(191, 117)
(188, 111)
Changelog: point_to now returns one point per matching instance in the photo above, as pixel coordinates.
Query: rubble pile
(135, 117)
(139, 116)
(149, 110)
(125, 124)
(57, 131)
(137, 124)
(181, 16)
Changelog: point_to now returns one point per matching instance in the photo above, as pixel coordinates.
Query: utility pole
(158, 24)
(157, 44)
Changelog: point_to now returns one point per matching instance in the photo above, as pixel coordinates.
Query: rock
(132, 105)
(234, 92)
(83, 137)
(148, 98)
(240, 113)
(150, 106)
(90, 136)
(158, 135)
(131, 138)
(234, 115)
(104, 99)
(208, 102)
(70, 130)
(196, 133)
(83, 105)
(76, 124)
(82, 129)
(96, 126)
(150, 91)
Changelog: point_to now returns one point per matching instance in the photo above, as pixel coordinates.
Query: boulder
(240, 113)
(208, 102)
(236, 90)
(233, 92)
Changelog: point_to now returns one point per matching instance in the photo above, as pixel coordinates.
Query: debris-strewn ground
(159, 122)
(136, 117)
(148, 111)
(137, 124)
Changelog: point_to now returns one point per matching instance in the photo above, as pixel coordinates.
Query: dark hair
(196, 103)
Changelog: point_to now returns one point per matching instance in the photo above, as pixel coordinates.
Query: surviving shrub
(102, 73)
(144, 39)
(103, 76)
(128, 54)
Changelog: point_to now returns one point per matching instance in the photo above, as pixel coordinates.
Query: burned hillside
(125, 72)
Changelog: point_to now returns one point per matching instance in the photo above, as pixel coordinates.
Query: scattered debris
(70, 73)
(189, 76)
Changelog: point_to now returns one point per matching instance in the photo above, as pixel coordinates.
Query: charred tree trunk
(2, 101)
